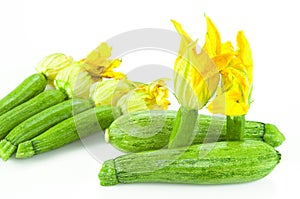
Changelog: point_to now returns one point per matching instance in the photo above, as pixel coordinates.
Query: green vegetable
(235, 128)
(29, 88)
(70, 130)
(39, 123)
(149, 130)
(183, 128)
(215, 163)
(44, 100)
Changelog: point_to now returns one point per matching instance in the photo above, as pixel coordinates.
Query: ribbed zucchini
(150, 130)
(39, 123)
(30, 87)
(215, 163)
(70, 130)
(44, 100)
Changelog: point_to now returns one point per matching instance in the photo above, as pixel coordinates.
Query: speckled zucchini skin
(215, 163)
(41, 122)
(44, 100)
(30, 87)
(70, 130)
(150, 130)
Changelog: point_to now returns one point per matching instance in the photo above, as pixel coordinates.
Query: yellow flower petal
(222, 61)
(212, 40)
(185, 38)
(227, 48)
(100, 66)
(229, 103)
(245, 54)
(98, 55)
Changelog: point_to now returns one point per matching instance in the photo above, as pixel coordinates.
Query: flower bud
(151, 96)
(52, 64)
(75, 81)
(108, 92)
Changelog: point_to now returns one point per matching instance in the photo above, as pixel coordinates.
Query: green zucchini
(41, 122)
(211, 163)
(150, 130)
(44, 100)
(183, 127)
(30, 87)
(70, 130)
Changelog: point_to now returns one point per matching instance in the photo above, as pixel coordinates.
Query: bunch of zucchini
(163, 145)
(35, 119)
(185, 147)
(45, 119)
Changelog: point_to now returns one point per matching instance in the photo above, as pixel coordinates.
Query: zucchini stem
(235, 128)
(183, 131)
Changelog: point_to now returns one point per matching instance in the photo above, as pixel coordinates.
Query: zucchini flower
(153, 96)
(52, 64)
(75, 81)
(99, 66)
(108, 92)
(196, 76)
(196, 80)
(234, 95)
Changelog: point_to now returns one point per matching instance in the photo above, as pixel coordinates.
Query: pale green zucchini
(150, 130)
(69, 130)
(14, 117)
(215, 163)
(30, 87)
(39, 123)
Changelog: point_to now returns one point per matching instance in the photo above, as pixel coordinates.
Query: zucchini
(39, 123)
(30, 87)
(70, 130)
(215, 163)
(44, 100)
(150, 130)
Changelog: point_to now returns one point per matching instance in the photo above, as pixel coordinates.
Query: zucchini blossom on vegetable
(76, 80)
(100, 66)
(196, 76)
(108, 92)
(153, 96)
(235, 66)
(52, 64)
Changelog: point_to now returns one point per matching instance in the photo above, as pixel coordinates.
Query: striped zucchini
(44, 100)
(30, 87)
(150, 130)
(70, 130)
(39, 123)
(215, 163)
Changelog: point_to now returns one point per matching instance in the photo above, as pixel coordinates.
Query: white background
(32, 29)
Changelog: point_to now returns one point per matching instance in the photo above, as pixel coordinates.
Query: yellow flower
(196, 76)
(234, 96)
(153, 96)
(100, 66)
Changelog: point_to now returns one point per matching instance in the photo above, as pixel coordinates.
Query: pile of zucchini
(185, 147)
(162, 145)
(34, 119)
(210, 159)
